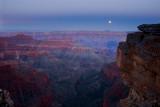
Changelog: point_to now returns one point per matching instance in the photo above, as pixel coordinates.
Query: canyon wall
(66, 34)
(139, 62)
(66, 69)
(105, 39)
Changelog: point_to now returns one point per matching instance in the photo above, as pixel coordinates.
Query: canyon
(82, 68)
(61, 69)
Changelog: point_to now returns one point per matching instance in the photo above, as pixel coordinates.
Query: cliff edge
(139, 62)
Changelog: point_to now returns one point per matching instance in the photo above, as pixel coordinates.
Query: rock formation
(152, 28)
(139, 62)
(5, 100)
(87, 38)
(70, 69)
(115, 90)
(26, 85)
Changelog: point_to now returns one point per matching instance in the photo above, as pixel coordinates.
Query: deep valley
(62, 69)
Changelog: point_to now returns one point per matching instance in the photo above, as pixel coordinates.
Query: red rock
(25, 91)
(31, 80)
(105, 104)
(111, 71)
(20, 39)
(116, 90)
(3, 44)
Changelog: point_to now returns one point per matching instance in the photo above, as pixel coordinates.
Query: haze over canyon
(79, 53)
(63, 68)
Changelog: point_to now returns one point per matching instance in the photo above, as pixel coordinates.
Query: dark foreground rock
(150, 28)
(5, 100)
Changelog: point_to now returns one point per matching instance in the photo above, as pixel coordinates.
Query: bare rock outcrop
(151, 28)
(139, 62)
(5, 100)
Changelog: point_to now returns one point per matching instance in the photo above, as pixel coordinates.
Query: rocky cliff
(139, 62)
(26, 84)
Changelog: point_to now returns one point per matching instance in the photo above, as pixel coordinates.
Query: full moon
(109, 21)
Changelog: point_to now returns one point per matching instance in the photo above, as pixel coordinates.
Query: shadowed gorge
(61, 69)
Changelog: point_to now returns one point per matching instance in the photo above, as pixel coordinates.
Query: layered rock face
(139, 62)
(26, 85)
(66, 69)
(98, 39)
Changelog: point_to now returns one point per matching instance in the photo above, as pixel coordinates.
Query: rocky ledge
(139, 62)
(150, 28)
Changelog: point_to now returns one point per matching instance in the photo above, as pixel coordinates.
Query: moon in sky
(109, 21)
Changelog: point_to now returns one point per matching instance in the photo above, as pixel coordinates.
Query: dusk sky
(58, 15)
